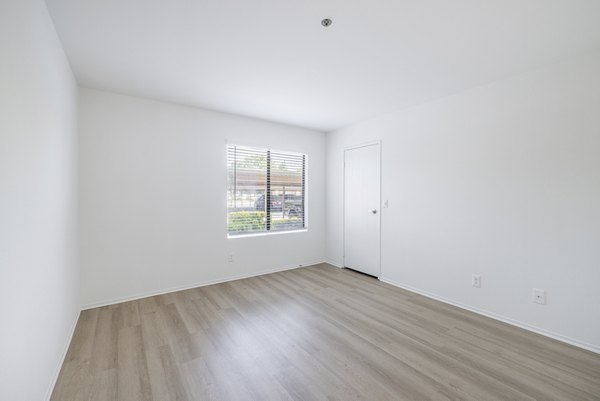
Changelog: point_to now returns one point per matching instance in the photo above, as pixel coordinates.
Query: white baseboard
(133, 297)
(332, 263)
(62, 359)
(538, 330)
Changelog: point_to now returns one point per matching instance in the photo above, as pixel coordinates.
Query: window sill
(264, 234)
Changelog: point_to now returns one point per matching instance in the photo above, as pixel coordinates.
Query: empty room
(316, 200)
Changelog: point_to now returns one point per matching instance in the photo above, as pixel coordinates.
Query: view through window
(266, 190)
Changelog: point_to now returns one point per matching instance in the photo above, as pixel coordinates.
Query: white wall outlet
(230, 258)
(476, 280)
(386, 204)
(538, 296)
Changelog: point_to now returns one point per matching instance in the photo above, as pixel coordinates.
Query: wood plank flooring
(315, 333)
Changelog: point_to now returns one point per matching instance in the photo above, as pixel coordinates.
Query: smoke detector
(326, 22)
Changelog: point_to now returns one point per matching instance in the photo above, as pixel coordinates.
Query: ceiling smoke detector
(326, 22)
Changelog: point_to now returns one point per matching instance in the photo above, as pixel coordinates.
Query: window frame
(268, 217)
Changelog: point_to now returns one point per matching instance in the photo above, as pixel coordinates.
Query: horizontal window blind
(266, 190)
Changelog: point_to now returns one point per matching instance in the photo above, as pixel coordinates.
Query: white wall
(38, 273)
(153, 197)
(502, 180)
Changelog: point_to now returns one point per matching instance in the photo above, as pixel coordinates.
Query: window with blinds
(266, 190)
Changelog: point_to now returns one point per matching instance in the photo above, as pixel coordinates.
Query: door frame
(361, 145)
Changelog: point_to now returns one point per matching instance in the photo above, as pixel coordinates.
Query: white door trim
(361, 145)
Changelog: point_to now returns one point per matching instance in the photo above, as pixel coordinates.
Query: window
(266, 190)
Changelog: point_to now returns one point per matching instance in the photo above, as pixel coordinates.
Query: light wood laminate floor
(315, 333)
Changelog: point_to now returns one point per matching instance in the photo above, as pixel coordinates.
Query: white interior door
(362, 171)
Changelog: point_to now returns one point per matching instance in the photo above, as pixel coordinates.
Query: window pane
(246, 190)
(287, 191)
(265, 190)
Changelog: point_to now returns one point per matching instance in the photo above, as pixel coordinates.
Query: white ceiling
(272, 59)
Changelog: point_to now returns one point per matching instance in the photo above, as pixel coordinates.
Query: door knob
(374, 211)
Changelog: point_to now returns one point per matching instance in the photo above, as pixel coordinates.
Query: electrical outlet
(476, 280)
(539, 296)
(230, 258)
